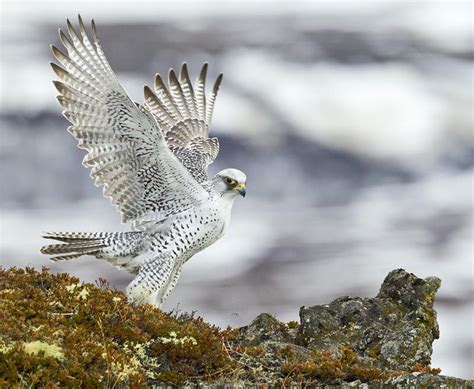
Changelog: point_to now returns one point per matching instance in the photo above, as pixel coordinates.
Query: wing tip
(217, 83)
(159, 81)
(59, 86)
(64, 39)
(58, 54)
(82, 27)
(94, 31)
(202, 74)
(58, 70)
(61, 100)
(70, 117)
(72, 31)
(55, 66)
(148, 93)
(172, 76)
(183, 73)
(69, 24)
(201, 80)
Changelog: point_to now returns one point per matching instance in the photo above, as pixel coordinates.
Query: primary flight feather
(151, 161)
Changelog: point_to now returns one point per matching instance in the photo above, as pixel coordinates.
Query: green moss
(374, 351)
(292, 324)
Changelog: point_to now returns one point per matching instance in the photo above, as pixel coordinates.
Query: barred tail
(99, 244)
(75, 244)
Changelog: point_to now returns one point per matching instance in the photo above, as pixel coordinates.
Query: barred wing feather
(126, 149)
(184, 115)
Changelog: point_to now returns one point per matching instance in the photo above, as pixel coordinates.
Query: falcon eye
(229, 180)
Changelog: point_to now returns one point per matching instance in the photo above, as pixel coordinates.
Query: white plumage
(152, 162)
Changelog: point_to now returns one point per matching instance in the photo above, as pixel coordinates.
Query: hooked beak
(241, 189)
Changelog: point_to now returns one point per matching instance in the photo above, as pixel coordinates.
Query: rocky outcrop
(382, 340)
(394, 330)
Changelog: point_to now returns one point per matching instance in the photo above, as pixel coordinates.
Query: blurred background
(352, 120)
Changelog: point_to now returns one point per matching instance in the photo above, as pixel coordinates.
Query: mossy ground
(58, 332)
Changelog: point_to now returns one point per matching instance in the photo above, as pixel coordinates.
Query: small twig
(99, 322)
(288, 376)
(248, 357)
(62, 314)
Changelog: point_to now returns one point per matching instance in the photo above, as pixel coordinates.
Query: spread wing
(126, 149)
(184, 114)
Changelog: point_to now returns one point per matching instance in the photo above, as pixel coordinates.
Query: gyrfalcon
(151, 160)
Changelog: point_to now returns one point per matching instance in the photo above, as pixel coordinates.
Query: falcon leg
(173, 280)
(152, 280)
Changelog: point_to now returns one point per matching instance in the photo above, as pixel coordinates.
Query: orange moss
(419, 368)
(104, 340)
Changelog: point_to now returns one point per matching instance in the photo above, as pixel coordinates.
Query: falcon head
(230, 182)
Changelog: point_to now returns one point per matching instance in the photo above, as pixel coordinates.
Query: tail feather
(70, 247)
(73, 256)
(75, 236)
(75, 244)
(105, 245)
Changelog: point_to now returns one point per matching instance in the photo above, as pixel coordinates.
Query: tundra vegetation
(58, 332)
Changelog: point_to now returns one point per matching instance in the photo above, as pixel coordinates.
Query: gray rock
(417, 380)
(264, 328)
(394, 330)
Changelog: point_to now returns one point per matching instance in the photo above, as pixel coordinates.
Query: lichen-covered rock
(394, 330)
(265, 328)
(419, 380)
